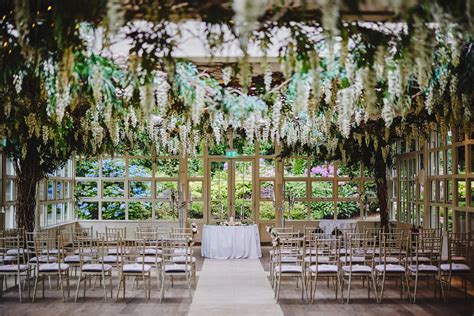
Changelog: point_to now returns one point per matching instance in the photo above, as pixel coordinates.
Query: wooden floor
(177, 301)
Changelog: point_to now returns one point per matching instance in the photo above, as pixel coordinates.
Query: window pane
(267, 190)
(321, 189)
(167, 190)
(88, 210)
(113, 189)
(347, 210)
(296, 211)
(113, 168)
(461, 160)
(113, 210)
(140, 189)
(167, 168)
(461, 185)
(322, 210)
(267, 167)
(139, 210)
(86, 189)
(166, 211)
(295, 189)
(295, 167)
(321, 169)
(196, 167)
(267, 210)
(49, 214)
(347, 189)
(472, 193)
(87, 168)
(345, 171)
(139, 167)
(196, 210)
(195, 189)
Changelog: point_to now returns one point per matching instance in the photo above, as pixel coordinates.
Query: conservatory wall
(433, 181)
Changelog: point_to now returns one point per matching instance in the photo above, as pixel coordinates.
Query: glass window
(348, 210)
(267, 190)
(347, 189)
(113, 189)
(87, 168)
(166, 210)
(88, 210)
(196, 167)
(461, 190)
(196, 210)
(86, 189)
(140, 210)
(266, 167)
(167, 168)
(461, 160)
(295, 189)
(113, 210)
(296, 210)
(140, 167)
(140, 189)
(195, 189)
(295, 167)
(449, 161)
(322, 210)
(113, 168)
(321, 189)
(167, 190)
(267, 210)
(321, 169)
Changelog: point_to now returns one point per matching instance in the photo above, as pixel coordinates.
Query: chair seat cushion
(43, 259)
(420, 259)
(455, 267)
(52, 251)
(320, 259)
(454, 258)
(285, 259)
(52, 267)
(85, 251)
(182, 259)
(177, 268)
(111, 259)
(424, 268)
(356, 268)
(387, 259)
(149, 259)
(15, 252)
(390, 268)
(324, 268)
(8, 258)
(182, 251)
(151, 251)
(96, 267)
(289, 269)
(354, 259)
(114, 251)
(135, 268)
(77, 259)
(13, 268)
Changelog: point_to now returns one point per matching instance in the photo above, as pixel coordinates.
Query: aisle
(233, 287)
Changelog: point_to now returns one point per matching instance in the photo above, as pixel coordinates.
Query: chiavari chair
(114, 244)
(115, 233)
(418, 265)
(170, 269)
(132, 268)
(152, 252)
(273, 259)
(457, 263)
(324, 263)
(388, 263)
(14, 265)
(90, 252)
(289, 263)
(50, 266)
(357, 262)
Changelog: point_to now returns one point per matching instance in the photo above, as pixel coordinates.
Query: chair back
(115, 233)
(11, 242)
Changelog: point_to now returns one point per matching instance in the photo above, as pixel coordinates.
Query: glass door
(231, 191)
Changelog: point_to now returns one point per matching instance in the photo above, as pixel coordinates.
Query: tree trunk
(29, 174)
(382, 190)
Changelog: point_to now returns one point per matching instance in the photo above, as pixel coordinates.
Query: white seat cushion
(77, 259)
(455, 267)
(15, 252)
(85, 251)
(454, 258)
(420, 259)
(43, 259)
(149, 259)
(354, 259)
(390, 268)
(52, 251)
(285, 259)
(114, 251)
(135, 268)
(111, 259)
(96, 267)
(13, 268)
(52, 267)
(320, 259)
(8, 258)
(424, 268)
(356, 268)
(324, 268)
(177, 268)
(182, 259)
(289, 269)
(387, 259)
(151, 251)
(181, 251)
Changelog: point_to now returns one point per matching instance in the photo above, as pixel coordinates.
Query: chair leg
(349, 288)
(119, 288)
(162, 292)
(19, 287)
(381, 289)
(35, 288)
(102, 281)
(78, 286)
(278, 286)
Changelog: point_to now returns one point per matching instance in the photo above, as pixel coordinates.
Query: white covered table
(230, 242)
(328, 225)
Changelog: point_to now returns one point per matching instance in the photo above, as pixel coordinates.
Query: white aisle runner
(233, 287)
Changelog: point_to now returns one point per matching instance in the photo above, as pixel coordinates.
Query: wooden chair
(324, 263)
(13, 265)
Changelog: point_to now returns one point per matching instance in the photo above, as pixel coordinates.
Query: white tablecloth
(328, 225)
(230, 242)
